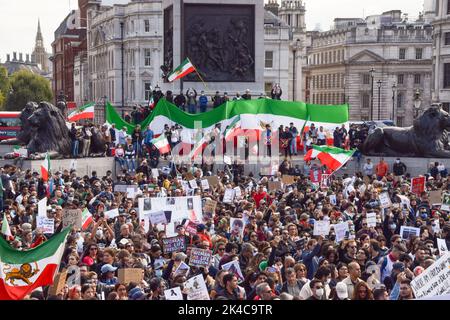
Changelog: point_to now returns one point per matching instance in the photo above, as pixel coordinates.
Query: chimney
(8, 57)
(20, 57)
(28, 58)
(14, 56)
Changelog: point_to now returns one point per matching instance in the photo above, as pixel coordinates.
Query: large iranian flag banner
(23, 271)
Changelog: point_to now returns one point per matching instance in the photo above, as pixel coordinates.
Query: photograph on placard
(237, 228)
(147, 204)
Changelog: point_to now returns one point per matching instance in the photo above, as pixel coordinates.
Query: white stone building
(399, 52)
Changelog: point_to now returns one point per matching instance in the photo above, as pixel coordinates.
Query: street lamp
(417, 102)
(372, 72)
(394, 89)
(296, 47)
(379, 83)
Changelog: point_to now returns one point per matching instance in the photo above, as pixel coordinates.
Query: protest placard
(435, 280)
(193, 184)
(228, 196)
(174, 244)
(205, 184)
(197, 289)
(321, 228)
(371, 219)
(58, 283)
(213, 180)
(200, 257)
(418, 185)
(45, 224)
(341, 230)
(237, 228)
(286, 179)
(385, 200)
(325, 180)
(404, 201)
(210, 207)
(131, 193)
(333, 199)
(123, 187)
(182, 270)
(445, 201)
(173, 294)
(111, 214)
(275, 185)
(191, 228)
(72, 217)
(315, 175)
(128, 275)
(42, 208)
(436, 226)
(237, 192)
(189, 176)
(435, 197)
(234, 268)
(157, 217)
(408, 232)
(442, 246)
(155, 173)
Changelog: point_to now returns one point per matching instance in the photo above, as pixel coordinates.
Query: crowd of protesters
(279, 256)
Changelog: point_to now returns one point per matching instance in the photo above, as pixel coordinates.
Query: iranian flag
(151, 103)
(162, 144)
(183, 70)
(5, 228)
(86, 219)
(84, 112)
(23, 271)
(232, 129)
(20, 151)
(45, 167)
(331, 157)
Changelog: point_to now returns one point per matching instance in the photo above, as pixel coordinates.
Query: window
(269, 59)
(132, 90)
(400, 98)
(365, 101)
(147, 91)
(417, 79)
(447, 38)
(366, 79)
(402, 54)
(147, 25)
(400, 78)
(132, 58)
(419, 52)
(147, 57)
(446, 75)
(399, 121)
(268, 88)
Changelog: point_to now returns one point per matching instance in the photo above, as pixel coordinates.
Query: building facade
(380, 66)
(438, 13)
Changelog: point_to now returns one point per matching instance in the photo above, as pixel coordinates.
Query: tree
(27, 86)
(4, 85)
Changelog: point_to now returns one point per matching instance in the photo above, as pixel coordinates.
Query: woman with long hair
(362, 292)
(90, 255)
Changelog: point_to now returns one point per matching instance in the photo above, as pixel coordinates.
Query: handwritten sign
(46, 225)
(193, 184)
(205, 184)
(128, 275)
(342, 230)
(408, 232)
(213, 180)
(418, 185)
(157, 217)
(321, 228)
(274, 185)
(174, 244)
(436, 197)
(371, 219)
(288, 179)
(385, 200)
(72, 217)
(197, 289)
(200, 257)
(435, 280)
(228, 196)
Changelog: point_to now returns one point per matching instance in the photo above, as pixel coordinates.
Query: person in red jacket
(203, 235)
(260, 195)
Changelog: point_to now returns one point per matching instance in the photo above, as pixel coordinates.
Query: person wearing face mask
(399, 169)
(317, 290)
(323, 275)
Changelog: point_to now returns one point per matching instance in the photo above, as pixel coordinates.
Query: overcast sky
(18, 19)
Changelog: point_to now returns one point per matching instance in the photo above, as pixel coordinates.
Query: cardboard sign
(385, 200)
(371, 219)
(46, 225)
(288, 179)
(435, 280)
(205, 184)
(174, 244)
(58, 284)
(442, 246)
(128, 275)
(435, 197)
(173, 294)
(418, 185)
(197, 289)
(42, 208)
(200, 257)
(72, 217)
(213, 181)
(189, 176)
(275, 185)
(157, 217)
(408, 232)
(342, 230)
(321, 228)
(325, 181)
(228, 196)
(234, 268)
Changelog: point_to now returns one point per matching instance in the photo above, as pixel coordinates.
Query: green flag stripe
(47, 249)
(333, 150)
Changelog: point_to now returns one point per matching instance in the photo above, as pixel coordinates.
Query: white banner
(197, 289)
(42, 208)
(435, 280)
(321, 228)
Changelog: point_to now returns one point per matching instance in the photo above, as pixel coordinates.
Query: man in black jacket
(399, 168)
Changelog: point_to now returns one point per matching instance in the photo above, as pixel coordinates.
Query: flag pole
(198, 74)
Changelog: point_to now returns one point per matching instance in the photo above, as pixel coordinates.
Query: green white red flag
(82, 113)
(86, 219)
(162, 144)
(45, 167)
(181, 71)
(21, 272)
(331, 157)
(5, 228)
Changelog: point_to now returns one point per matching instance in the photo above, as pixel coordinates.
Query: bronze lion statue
(427, 138)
